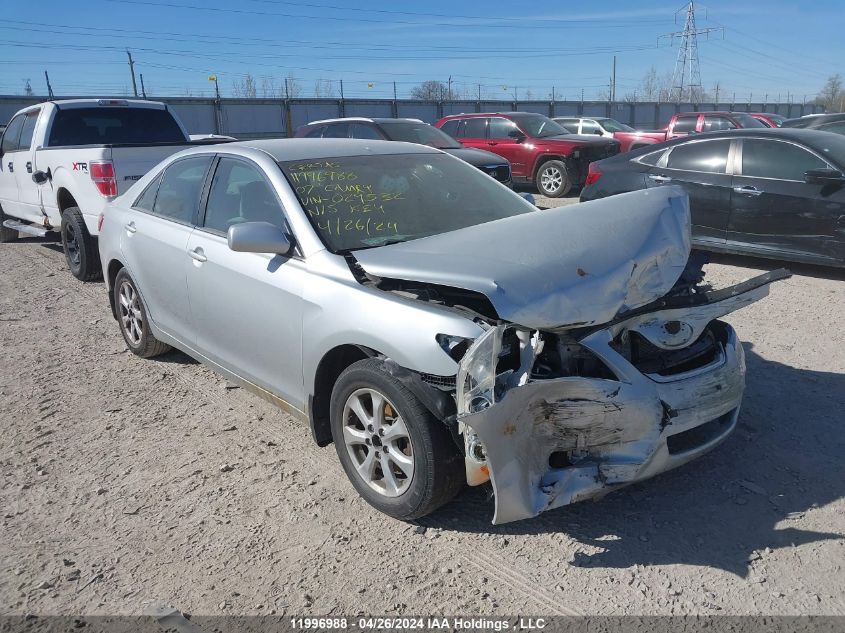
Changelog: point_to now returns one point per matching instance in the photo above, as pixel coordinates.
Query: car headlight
(477, 373)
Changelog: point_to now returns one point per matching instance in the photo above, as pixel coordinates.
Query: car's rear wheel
(6, 234)
(399, 458)
(132, 316)
(80, 248)
(553, 180)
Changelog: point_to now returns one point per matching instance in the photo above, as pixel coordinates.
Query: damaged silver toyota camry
(430, 322)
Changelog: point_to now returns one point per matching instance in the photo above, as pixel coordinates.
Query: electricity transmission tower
(686, 80)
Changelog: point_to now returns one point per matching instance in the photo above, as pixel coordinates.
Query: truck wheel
(399, 457)
(132, 316)
(6, 235)
(80, 248)
(553, 180)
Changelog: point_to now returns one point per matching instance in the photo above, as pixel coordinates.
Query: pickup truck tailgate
(132, 162)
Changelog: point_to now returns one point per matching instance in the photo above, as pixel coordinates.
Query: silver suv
(433, 324)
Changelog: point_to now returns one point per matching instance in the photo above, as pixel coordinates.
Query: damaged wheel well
(328, 371)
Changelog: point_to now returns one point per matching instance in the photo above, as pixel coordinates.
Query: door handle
(130, 227)
(657, 178)
(748, 191)
(11, 167)
(198, 254)
(29, 167)
(492, 142)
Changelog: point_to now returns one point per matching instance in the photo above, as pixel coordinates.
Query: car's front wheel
(132, 316)
(553, 180)
(399, 457)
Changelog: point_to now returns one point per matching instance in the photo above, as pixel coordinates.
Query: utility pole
(218, 117)
(143, 89)
(687, 74)
(49, 87)
(449, 94)
(479, 92)
(132, 70)
(613, 85)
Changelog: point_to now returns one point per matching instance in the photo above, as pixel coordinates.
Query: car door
(29, 194)
(683, 126)
(155, 239)
(773, 209)
(717, 122)
(8, 180)
(701, 168)
(472, 132)
(501, 141)
(247, 307)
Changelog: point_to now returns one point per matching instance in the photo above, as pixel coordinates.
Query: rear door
(29, 193)
(9, 160)
(773, 209)
(155, 240)
(717, 122)
(472, 132)
(247, 307)
(501, 142)
(701, 168)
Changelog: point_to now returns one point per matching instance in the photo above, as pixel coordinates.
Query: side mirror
(259, 237)
(824, 177)
(599, 132)
(517, 135)
(39, 177)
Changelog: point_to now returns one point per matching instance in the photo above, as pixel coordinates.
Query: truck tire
(133, 320)
(6, 235)
(399, 458)
(553, 179)
(80, 248)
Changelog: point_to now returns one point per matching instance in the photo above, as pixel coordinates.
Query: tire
(80, 248)
(132, 318)
(553, 179)
(431, 470)
(6, 235)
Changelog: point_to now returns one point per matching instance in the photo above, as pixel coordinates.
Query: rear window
(685, 124)
(114, 126)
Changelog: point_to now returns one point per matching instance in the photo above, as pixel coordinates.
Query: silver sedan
(431, 323)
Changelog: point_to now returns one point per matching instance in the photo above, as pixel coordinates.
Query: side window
(570, 124)
(317, 132)
(147, 199)
(837, 127)
(240, 193)
(713, 123)
(476, 127)
(773, 159)
(706, 156)
(12, 134)
(28, 129)
(179, 192)
(451, 127)
(651, 159)
(589, 127)
(336, 130)
(362, 130)
(500, 128)
(685, 124)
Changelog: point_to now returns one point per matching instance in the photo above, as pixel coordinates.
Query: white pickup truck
(62, 162)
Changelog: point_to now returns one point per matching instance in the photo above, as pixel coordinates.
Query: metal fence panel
(243, 120)
(418, 110)
(665, 112)
(368, 108)
(592, 108)
(302, 113)
(566, 109)
(198, 118)
(457, 107)
(539, 107)
(645, 115)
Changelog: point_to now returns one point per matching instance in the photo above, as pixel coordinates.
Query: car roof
(366, 120)
(316, 148)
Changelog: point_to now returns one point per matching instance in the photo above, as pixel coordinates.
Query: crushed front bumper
(551, 442)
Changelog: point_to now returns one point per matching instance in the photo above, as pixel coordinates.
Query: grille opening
(692, 439)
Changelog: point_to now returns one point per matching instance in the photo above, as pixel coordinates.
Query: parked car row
(434, 325)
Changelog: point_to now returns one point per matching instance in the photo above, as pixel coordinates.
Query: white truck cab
(62, 162)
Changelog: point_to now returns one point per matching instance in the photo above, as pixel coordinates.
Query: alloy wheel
(72, 245)
(131, 317)
(378, 442)
(551, 179)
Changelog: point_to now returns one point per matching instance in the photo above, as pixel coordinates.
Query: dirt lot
(114, 498)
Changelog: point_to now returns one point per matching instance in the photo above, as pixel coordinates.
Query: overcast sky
(767, 48)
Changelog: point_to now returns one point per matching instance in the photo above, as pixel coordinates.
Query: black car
(410, 131)
(776, 193)
(824, 122)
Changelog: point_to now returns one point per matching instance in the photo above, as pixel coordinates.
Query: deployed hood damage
(555, 268)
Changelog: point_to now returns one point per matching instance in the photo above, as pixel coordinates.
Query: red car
(769, 119)
(540, 151)
(628, 137)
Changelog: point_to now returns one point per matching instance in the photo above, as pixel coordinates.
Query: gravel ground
(129, 484)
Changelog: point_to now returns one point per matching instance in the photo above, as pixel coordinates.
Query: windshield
(356, 202)
(420, 133)
(114, 126)
(746, 120)
(538, 126)
(612, 125)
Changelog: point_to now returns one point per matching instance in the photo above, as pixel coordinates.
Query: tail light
(100, 222)
(102, 174)
(593, 174)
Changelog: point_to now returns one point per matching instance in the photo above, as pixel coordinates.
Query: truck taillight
(102, 174)
(593, 174)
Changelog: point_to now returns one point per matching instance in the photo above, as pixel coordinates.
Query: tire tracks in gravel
(504, 570)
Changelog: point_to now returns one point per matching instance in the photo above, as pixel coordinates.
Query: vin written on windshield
(365, 201)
